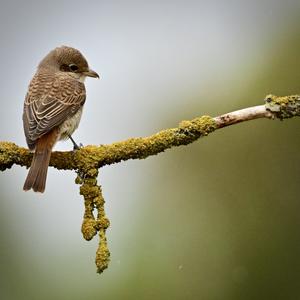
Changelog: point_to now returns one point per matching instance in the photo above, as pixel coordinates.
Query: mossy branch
(87, 161)
(90, 158)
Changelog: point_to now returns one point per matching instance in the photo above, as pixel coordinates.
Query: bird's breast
(69, 125)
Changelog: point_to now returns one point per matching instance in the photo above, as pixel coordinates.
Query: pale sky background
(218, 219)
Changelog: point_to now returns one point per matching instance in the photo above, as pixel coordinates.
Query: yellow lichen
(202, 126)
(93, 199)
(89, 228)
(11, 154)
(283, 107)
(102, 254)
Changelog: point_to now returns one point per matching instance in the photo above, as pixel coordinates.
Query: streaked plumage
(51, 99)
(53, 107)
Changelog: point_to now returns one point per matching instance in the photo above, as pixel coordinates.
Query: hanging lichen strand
(93, 199)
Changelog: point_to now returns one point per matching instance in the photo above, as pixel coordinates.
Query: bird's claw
(76, 147)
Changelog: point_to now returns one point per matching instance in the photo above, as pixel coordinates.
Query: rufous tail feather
(37, 175)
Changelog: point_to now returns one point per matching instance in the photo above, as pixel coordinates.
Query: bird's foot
(75, 146)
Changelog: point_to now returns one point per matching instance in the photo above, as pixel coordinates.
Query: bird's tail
(37, 175)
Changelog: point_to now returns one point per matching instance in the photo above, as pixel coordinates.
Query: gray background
(218, 219)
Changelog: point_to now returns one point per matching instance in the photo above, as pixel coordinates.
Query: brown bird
(53, 107)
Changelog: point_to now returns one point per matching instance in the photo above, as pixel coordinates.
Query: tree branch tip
(283, 107)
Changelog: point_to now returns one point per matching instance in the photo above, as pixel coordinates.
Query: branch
(94, 157)
(87, 161)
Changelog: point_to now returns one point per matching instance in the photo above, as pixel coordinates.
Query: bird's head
(69, 60)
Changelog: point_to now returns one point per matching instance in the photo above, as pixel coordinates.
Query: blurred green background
(218, 219)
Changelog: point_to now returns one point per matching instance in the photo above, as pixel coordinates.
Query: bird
(53, 107)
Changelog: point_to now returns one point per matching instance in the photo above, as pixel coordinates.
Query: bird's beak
(91, 73)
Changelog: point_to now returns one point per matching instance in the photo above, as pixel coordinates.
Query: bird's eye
(73, 67)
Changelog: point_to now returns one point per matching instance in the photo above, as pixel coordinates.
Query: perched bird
(53, 107)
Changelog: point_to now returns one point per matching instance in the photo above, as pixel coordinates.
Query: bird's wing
(51, 99)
